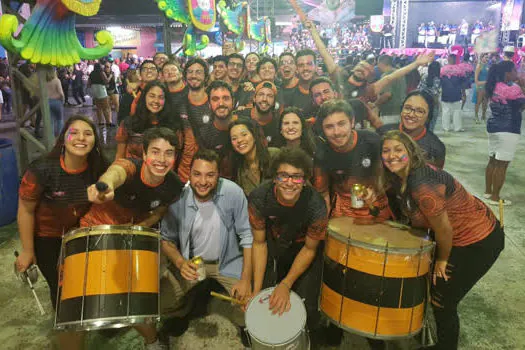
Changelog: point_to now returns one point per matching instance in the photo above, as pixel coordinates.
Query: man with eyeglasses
(148, 73)
(264, 112)
(235, 72)
(289, 222)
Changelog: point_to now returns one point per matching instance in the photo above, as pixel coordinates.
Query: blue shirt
(235, 231)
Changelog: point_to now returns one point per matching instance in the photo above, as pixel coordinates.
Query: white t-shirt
(206, 231)
(1, 98)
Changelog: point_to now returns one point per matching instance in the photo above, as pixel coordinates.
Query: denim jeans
(56, 108)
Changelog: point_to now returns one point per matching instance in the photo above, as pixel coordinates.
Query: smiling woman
(251, 160)
(153, 109)
(294, 131)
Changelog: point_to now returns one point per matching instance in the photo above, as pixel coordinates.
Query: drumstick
(101, 187)
(226, 298)
(40, 307)
(299, 10)
(501, 213)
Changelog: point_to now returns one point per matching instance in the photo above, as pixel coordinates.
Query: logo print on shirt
(205, 119)
(59, 194)
(154, 204)
(184, 116)
(269, 138)
(339, 172)
(218, 146)
(358, 126)
(277, 105)
(355, 93)
(366, 162)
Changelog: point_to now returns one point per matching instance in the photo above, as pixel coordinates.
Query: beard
(208, 196)
(260, 110)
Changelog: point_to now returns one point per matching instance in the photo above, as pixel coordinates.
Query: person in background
(97, 82)
(452, 84)
(391, 97)
(78, 86)
(251, 159)
(220, 68)
(479, 96)
(56, 100)
(132, 83)
(431, 84)
(52, 198)
(64, 76)
(148, 73)
(503, 126)
(468, 237)
(288, 78)
(160, 59)
(295, 132)
(251, 63)
(111, 87)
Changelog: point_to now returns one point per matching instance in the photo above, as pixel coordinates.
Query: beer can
(201, 268)
(357, 191)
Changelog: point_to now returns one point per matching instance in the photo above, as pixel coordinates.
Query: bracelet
(286, 285)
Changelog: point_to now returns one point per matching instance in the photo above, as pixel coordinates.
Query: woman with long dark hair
(251, 160)
(53, 199)
(503, 127)
(416, 112)
(468, 236)
(431, 84)
(153, 109)
(97, 82)
(295, 132)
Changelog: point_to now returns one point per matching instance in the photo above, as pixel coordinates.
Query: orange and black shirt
(432, 192)
(61, 195)
(135, 198)
(270, 130)
(435, 150)
(336, 173)
(288, 225)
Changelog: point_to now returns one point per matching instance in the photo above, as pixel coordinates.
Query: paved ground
(491, 315)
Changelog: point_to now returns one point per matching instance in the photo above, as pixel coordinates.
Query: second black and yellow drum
(375, 279)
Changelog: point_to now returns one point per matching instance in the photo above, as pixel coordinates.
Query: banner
(377, 23)
(202, 13)
(511, 14)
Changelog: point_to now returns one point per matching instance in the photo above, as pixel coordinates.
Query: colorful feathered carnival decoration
(200, 14)
(49, 36)
(238, 21)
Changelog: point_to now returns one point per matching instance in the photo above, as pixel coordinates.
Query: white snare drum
(267, 331)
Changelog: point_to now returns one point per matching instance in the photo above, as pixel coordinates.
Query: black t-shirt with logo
(271, 132)
(141, 197)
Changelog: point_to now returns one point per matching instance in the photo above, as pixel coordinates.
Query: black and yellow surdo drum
(109, 278)
(375, 279)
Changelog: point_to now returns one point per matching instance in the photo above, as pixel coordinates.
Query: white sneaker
(156, 346)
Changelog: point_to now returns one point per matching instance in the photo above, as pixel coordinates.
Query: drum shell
(301, 342)
(109, 277)
(372, 293)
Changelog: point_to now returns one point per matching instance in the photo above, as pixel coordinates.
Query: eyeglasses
(418, 112)
(235, 65)
(197, 72)
(149, 69)
(296, 178)
(286, 63)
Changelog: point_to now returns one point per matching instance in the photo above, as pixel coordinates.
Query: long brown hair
(97, 163)
(415, 155)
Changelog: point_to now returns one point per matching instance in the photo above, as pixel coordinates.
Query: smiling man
(138, 192)
(348, 157)
(264, 112)
(306, 64)
(289, 222)
(210, 220)
(220, 68)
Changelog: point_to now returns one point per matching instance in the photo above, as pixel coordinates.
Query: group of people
(269, 154)
(450, 34)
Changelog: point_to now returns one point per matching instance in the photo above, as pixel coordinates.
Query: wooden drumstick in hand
(299, 10)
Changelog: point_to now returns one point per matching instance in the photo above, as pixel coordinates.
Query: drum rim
(108, 322)
(112, 229)
(370, 335)
(378, 248)
(303, 321)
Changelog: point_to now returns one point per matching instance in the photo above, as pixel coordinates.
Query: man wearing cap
(264, 112)
(508, 53)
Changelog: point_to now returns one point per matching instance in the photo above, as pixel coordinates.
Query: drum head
(378, 234)
(274, 329)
